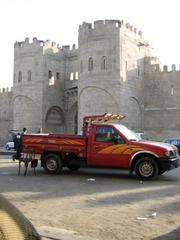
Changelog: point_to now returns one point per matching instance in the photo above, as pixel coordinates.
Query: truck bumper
(169, 164)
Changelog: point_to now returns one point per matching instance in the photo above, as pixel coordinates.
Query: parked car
(9, 145)
(174, 141)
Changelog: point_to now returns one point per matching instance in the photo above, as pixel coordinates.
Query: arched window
(90, 64)
(20, 77)
(29, 75)
(71, 76)
(51, 78)
(76, 76)
(104, 63)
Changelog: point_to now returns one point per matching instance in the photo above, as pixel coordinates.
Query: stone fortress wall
(112, 70)
(161, 99)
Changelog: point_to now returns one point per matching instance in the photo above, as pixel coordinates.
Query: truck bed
(39, 143)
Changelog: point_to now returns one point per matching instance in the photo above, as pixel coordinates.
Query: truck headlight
(169, 154)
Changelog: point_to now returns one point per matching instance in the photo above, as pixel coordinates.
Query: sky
(58, 21)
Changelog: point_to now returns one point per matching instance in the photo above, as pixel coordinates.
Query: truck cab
(114, 145)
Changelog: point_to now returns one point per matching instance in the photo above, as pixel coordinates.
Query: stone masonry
(112, 70)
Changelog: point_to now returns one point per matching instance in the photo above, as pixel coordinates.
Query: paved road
(94, 203)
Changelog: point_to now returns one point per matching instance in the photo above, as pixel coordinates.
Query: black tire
(146, 168)
(52, 164)
(73, 167)
(7, 148)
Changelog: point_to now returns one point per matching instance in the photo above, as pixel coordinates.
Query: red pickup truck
(102, 144)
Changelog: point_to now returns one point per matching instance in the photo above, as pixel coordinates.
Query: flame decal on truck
(53, 141)
(123, 149)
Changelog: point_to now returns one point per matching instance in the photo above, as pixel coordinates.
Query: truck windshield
(129, 134)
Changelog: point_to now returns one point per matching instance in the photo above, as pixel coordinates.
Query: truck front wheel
(146, 168)
(52, 163)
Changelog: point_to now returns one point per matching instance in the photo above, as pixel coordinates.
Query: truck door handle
(96, 147)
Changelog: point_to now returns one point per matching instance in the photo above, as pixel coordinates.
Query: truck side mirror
(117, 140)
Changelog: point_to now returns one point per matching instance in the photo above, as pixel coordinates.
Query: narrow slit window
(172, 90)
(29, 75)
(104, 63)
(90, 64)
(50, 74)
(57, 76)
(20, 77)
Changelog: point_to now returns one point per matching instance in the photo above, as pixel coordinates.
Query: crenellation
(112, 23)
(121, 23)
(69, 50)
(86, 25)
(66, 47)
(26, 43)
(27, 40)
(127, 25)
(173, 68)
(5, 90)
(157, 67)
(98, 24)
(131, 28)
(140, 33)
(100, 27)
(165, 68)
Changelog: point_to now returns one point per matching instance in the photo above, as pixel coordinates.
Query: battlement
(26, 43)
(101, 25)
(5, 90)
(172, 68)
(47, 46)
(36, 45)
(131, 28)
(52, 46)
(69, 48)
(165, 68)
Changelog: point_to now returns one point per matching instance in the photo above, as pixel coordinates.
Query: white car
(9, 145)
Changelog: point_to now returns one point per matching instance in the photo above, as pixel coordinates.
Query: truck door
(107, 148)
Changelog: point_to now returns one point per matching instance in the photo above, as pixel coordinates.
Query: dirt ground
(94, 203)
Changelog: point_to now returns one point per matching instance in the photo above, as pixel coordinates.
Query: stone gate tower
(27, 96)
(45, 87)
(111, 60)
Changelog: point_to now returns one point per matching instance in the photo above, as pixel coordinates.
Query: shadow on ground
(173, 235)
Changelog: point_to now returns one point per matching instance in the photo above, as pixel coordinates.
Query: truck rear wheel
(146, 168)
(52, 163)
